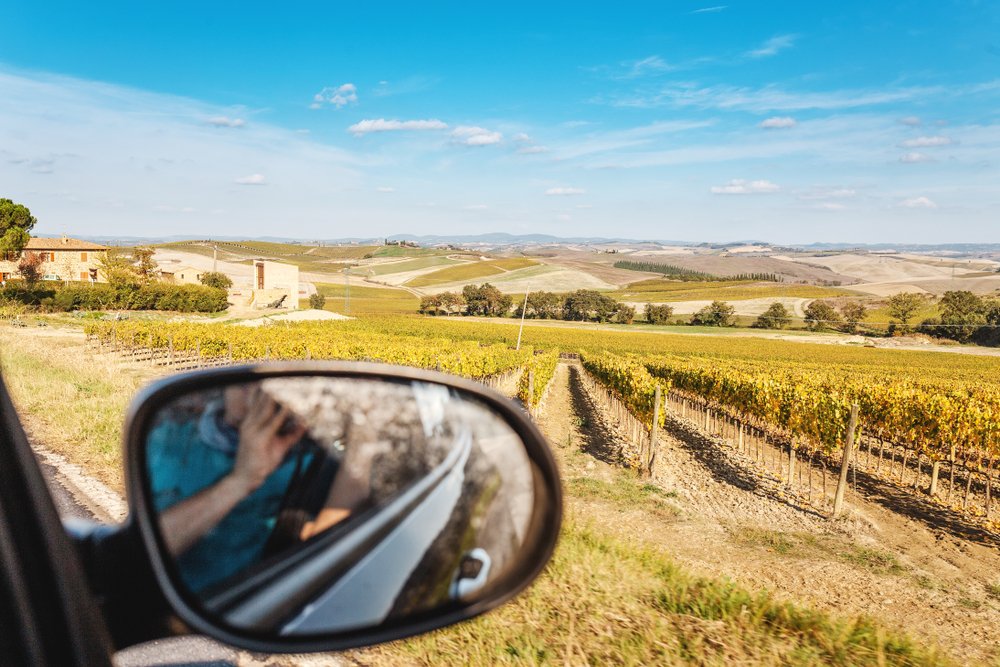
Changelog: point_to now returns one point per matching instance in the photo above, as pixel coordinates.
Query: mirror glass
(310, 505)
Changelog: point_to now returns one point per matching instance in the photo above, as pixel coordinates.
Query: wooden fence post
(838, 499)
(935, 471)
(531, 391)
(652, 432)
(791, 461)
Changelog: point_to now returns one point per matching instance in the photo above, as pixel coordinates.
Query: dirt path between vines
(731, 522)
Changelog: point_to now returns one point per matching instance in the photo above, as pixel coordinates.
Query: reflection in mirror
(311, 505)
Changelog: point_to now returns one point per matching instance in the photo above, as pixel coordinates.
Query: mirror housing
(468, 590)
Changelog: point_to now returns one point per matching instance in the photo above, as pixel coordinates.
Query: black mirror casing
(541, 535)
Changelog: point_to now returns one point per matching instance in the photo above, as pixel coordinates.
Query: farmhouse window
(83, 257)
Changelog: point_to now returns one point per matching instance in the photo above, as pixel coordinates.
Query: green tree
(217, 279)
(658, 314)
(853, 312)
(962, 314)
(542, 305)
(116, 266)
(16, 222)
(589, 306)
(821, 315)
(775, 317)
(902, 306)
(716, 314)
(486, 300)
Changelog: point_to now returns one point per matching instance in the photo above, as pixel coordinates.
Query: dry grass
(368, 300)
(603, 601)
(454, 274)
(68, 398)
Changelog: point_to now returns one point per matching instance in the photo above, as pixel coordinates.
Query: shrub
(102, 296)
(317, 301)
(217, 279)
(658, 314)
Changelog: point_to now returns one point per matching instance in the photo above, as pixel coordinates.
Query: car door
(47, 614)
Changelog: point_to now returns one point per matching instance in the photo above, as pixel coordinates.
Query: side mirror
(315, 507)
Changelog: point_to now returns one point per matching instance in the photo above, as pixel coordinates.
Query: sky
(789, 122)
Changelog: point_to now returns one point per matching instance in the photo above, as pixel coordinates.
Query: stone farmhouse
(62, 259)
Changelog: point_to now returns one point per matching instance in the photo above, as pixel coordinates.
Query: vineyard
(198, 345)
(936, 416)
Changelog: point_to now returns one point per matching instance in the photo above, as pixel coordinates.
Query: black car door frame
(47, 614)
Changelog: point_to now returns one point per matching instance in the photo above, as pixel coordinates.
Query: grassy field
(75, 402)
(604, 599)
(472, 272)
(368, 300)
(408, 265)
(658, 290)
(880, 314)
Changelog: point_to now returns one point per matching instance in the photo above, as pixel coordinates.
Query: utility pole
(215, 258)
(524, 308)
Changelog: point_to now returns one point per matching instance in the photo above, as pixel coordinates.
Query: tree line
(487, 300)
(675, 272)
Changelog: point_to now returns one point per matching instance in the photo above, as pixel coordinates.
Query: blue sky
(784, 121)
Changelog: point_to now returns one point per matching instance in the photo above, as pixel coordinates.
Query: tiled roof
(36, 243)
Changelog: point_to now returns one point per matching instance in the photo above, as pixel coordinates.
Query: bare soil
(881, 559)
(729, 265)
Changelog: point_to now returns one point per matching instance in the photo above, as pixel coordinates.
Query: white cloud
(521, 138)
(649, 65)
(471, 135)
(252, 179)
(225, 121)
(778, 123)
(773, 46)
(710, 10)
(914, 158)
(383, 125)
(830, 206)
(918, 202)
(564, 192)
(532, 150)
(584, 206)
(739, 186)
(476, 207)
(336, 96)
(385, 188)
(828, 193)
(765, 99)
(927, 142)
(564, 217)
(911, 121)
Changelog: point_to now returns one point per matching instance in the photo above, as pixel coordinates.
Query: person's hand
(262, 447)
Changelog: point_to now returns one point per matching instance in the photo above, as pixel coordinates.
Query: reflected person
(218, 481)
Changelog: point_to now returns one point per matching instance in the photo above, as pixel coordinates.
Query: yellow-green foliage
(544, 367)
(453, 274)
(472, 271)
(406, 265)
(367, 300)
(630, 382)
